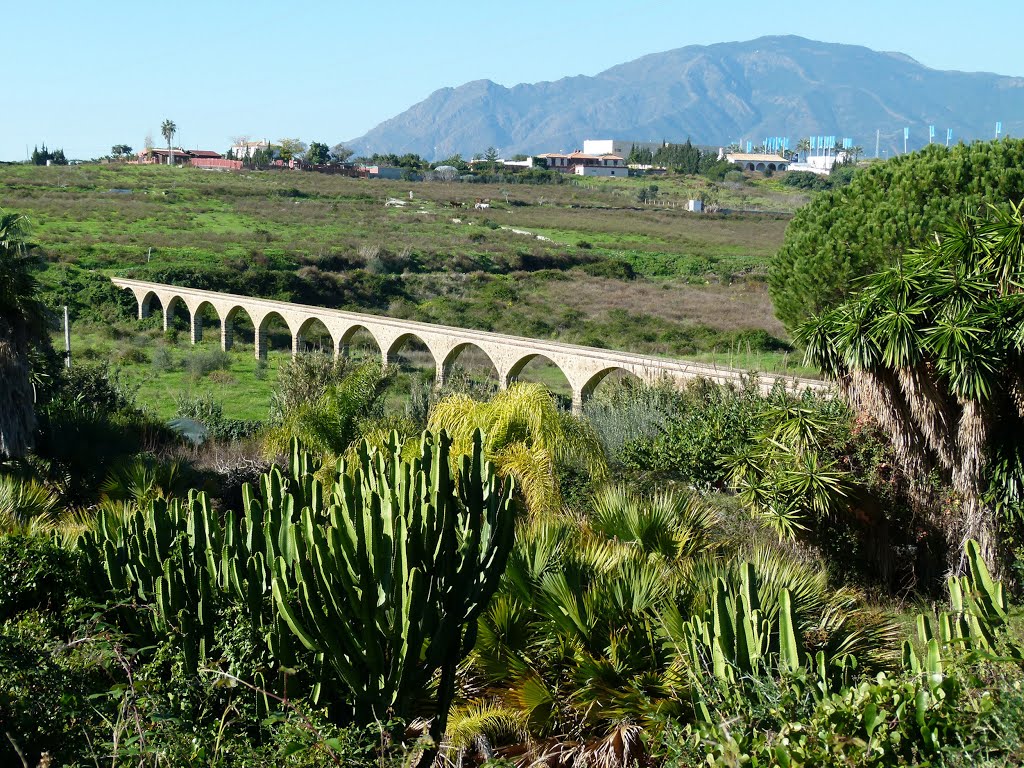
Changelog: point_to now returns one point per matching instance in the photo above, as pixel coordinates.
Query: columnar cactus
(382, 576)
(388, 590)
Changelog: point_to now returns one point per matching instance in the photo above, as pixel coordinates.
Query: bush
(200, 363)
(702, 424)
(210, 414)
(36, 574)
(161, 359)
(615, 269)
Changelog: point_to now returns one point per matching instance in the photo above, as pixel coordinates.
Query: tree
(318, 153)
(120, 150)
(932, 348)
(167, 130)
(22, 327)
(491, 155)
(291, 148)
(340, 153)
(886, 210)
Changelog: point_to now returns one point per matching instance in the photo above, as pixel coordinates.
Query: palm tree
(933, 350)
(168, 129)
(526, 436)
(804, 147)
(22, 326)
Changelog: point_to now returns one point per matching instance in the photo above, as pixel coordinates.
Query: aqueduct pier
(583, 367)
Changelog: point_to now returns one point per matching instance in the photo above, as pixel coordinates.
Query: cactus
(976, 621)
(380, 578)
(736, 638)
(389, 588)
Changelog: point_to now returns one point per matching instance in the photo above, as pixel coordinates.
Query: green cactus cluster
(379, 576)
(733, 639)
(389, 589)
(976, 622)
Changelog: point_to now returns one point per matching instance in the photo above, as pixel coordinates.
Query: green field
(579, 261)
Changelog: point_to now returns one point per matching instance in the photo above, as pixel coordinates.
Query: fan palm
(22, 326)
(526, 436)
(572, 638)
(932, 349)
(26, 505)
(167, 130)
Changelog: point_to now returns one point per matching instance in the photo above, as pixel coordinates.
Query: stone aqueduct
(583, 367)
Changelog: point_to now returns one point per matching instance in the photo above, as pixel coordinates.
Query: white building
(249, 148)
(620, 147)
(757, 162)
(586, 164)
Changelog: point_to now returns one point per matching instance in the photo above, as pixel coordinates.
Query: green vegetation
(888, 209)
(932, 348)
(368, 571)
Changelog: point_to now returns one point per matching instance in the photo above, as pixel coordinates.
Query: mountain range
(714, 95)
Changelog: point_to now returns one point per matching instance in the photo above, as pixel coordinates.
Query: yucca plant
(782, 474)
(933, 349)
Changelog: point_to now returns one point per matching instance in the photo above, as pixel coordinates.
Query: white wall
(601, 170)
(620, 147)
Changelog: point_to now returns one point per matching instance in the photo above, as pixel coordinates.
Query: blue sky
(86, 75)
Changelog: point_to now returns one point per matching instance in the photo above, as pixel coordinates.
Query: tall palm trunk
(973, 519)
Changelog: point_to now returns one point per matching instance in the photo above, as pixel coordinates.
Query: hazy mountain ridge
(713, 94)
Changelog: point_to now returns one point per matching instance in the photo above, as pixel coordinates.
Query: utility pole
(878, 137)
(67, 339)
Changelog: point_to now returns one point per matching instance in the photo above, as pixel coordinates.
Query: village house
(197, 158)
(583, 164)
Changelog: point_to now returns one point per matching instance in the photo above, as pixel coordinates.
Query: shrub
(132, 356)
(35, 574)
(161, 359)
(200, 363)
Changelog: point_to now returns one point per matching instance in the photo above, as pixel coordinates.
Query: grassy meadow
(580, 261)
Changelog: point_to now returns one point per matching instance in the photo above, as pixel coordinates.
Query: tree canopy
(886, 210)
(318, 153)
(932, 348)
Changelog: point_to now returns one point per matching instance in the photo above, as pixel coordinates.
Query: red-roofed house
(582, 164)
(197, 158)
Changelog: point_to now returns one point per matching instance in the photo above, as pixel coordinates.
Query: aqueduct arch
(583, 367)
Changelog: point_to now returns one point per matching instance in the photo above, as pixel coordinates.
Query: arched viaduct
(583, 367)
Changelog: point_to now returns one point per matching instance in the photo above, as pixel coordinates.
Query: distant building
(819, 164)
(197, 158)
(757, 162)
(154, 156)
(585, 164)
(246, 149)
(620, 147)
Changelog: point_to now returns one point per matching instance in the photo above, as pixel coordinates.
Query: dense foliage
(932, 348)
(887, 209)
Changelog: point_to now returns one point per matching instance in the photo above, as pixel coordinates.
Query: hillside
(713, 94)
